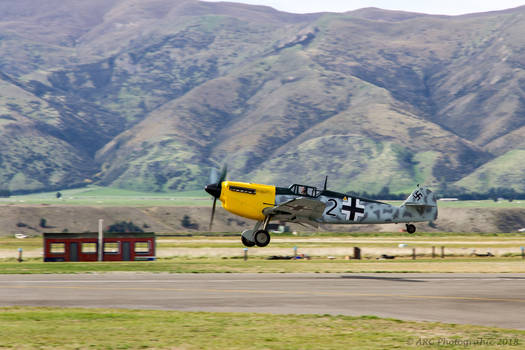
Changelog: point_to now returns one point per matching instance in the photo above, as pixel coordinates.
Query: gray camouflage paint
(420, 206)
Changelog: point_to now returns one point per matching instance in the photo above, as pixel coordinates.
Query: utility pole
(100, 240)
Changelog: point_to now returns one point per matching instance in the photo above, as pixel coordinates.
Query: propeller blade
(214, 177)
(224, 172)
(214, 188)
(212, 212)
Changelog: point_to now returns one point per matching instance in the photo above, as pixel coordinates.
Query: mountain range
(150, 95)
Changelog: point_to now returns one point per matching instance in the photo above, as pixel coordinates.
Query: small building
(84, 246)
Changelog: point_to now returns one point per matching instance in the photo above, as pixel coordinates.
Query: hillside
(26, 218)
(148, 95)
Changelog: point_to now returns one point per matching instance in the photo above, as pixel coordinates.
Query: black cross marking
(417, 195)
(352, 209)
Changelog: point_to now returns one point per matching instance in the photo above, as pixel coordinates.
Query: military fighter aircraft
(309, 205)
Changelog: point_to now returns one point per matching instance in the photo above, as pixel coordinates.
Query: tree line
(493, 193)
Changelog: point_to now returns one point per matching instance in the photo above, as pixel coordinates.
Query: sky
(441, 7)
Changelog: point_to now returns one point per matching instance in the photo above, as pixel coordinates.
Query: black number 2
(329, 212)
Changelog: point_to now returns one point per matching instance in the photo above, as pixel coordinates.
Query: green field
(57, 328)
(108, 196)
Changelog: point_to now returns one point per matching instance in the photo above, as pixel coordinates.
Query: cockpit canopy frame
(305, 191)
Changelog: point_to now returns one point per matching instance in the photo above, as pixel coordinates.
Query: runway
(481, 299)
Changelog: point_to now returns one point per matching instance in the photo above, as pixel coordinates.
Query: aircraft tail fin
(421, 197)
(421, 205)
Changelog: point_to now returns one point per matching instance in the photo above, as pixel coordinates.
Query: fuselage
(249, 200)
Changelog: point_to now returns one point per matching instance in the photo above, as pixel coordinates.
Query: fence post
(523, 252)
(442, 252)
(413, 253)
(245, 254)
(433, 252)
(357, 253)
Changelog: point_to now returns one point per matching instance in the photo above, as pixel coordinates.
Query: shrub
(186, 222)
(124, 226)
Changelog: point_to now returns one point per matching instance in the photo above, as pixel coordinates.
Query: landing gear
(411, 228)
(246, 242)
(262, 238)
(258, 235)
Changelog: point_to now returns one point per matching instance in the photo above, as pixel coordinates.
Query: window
(305, 191)
(111, 247)
(141, 247)
(89, 248)
(57, 248)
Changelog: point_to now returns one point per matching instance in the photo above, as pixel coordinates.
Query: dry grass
(260, 265)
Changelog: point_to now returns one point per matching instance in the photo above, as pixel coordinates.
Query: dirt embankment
(27, 219)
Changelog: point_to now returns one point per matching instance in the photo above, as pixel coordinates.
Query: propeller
(214, 188)
(214, 177)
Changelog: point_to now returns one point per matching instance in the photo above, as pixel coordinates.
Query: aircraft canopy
(305, 191)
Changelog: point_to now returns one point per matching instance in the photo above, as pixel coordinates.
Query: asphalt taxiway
(481, 299)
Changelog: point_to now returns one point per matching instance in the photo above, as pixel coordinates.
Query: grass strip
(260, 265)
(63, 328)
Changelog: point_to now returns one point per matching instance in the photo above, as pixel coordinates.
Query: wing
(297, 210)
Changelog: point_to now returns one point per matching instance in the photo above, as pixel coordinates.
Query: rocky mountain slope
(148, 95)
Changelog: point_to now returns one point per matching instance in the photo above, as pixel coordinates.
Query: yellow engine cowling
(246, 199)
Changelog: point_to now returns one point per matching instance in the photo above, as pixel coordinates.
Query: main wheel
(246, 242)
(262, 238)
(411, 228)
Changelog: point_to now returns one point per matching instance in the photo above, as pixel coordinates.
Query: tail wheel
(411, 228)
(246, 242)
(262, 238)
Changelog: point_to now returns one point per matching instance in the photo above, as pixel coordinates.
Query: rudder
(423, 202)
(421, 197)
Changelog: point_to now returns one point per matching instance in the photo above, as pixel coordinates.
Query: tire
(246, 242)
(262, 238)
(411, 228)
